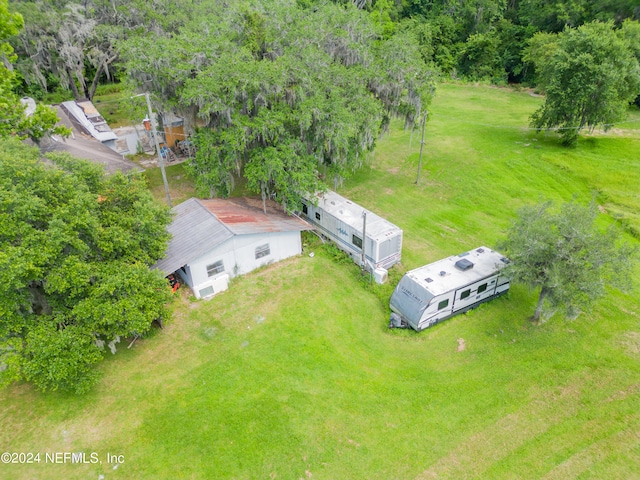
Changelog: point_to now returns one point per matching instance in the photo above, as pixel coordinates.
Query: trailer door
(476, 292)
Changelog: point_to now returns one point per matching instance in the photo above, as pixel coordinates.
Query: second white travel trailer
(343, 222)
(432, 293)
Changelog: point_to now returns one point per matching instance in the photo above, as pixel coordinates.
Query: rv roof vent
(442, 273)
(464, 264)
(480, 250)
(428, 279)
(464, 254)
(505, 260)
(332, 202)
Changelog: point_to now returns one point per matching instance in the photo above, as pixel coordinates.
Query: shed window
(465, 294)
(317, 216)
(357, 241)
(443, 304)
(262, 251)
(215, 268)
(482, 288)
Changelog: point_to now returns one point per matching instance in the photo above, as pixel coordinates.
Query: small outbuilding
(216, 239)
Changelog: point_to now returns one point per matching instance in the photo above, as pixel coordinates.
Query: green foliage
(287, 94)
(566, 256)
(75, 252)
(14, 121)
(589, 77)
(480, 58)
(60, 358)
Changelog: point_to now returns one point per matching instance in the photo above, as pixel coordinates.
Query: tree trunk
(543, 293)
(101, 68)
(72, 84)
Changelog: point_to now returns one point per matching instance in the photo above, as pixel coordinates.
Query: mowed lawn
(292, 373)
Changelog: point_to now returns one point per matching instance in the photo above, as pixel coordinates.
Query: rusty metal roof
(246, 215)
(201, 225)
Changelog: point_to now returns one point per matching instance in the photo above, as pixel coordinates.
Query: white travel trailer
(440, 290)
(342, 221)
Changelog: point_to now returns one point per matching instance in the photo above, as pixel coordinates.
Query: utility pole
(424, 123)
(152, 119)
(364, 239)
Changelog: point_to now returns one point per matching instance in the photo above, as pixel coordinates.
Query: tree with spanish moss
(280, 94)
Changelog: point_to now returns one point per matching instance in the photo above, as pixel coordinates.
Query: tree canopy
(72, 44)
(563, 253)
(13, 117)
(75, 251)
(589, 74)
(282, 93)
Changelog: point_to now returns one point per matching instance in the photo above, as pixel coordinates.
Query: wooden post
(424, 123)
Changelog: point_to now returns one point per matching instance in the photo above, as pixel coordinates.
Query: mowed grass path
(292, 373)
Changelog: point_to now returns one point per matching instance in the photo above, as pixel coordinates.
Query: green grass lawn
(181, 188)
(293, 374)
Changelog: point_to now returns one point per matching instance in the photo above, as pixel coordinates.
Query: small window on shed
(443, 304)
(215, 268)
(305, 210)
(262, 251)
(357, 241)
(317, 216)
(465, 294)
(482, 288)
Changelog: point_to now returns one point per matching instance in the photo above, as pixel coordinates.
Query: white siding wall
(238, 255)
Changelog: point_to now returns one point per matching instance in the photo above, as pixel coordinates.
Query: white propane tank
(381, 275)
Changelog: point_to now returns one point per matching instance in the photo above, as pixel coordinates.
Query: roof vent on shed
(464, 264)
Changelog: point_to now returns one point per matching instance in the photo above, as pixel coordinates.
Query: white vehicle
(342, 221)
(440, 290)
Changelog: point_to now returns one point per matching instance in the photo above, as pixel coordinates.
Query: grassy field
(181, 188)
(292, 373)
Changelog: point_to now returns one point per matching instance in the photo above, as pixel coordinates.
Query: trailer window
(443, 304)
(215, 268)
(482, 288)
(317, 216)
(262, 251)
(465, 294)
(305, 210)
(357, 241)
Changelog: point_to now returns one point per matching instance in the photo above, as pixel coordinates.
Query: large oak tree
(282, 94)
(75, 251)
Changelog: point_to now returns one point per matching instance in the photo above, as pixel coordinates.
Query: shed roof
(201, 225)
(246, 215)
